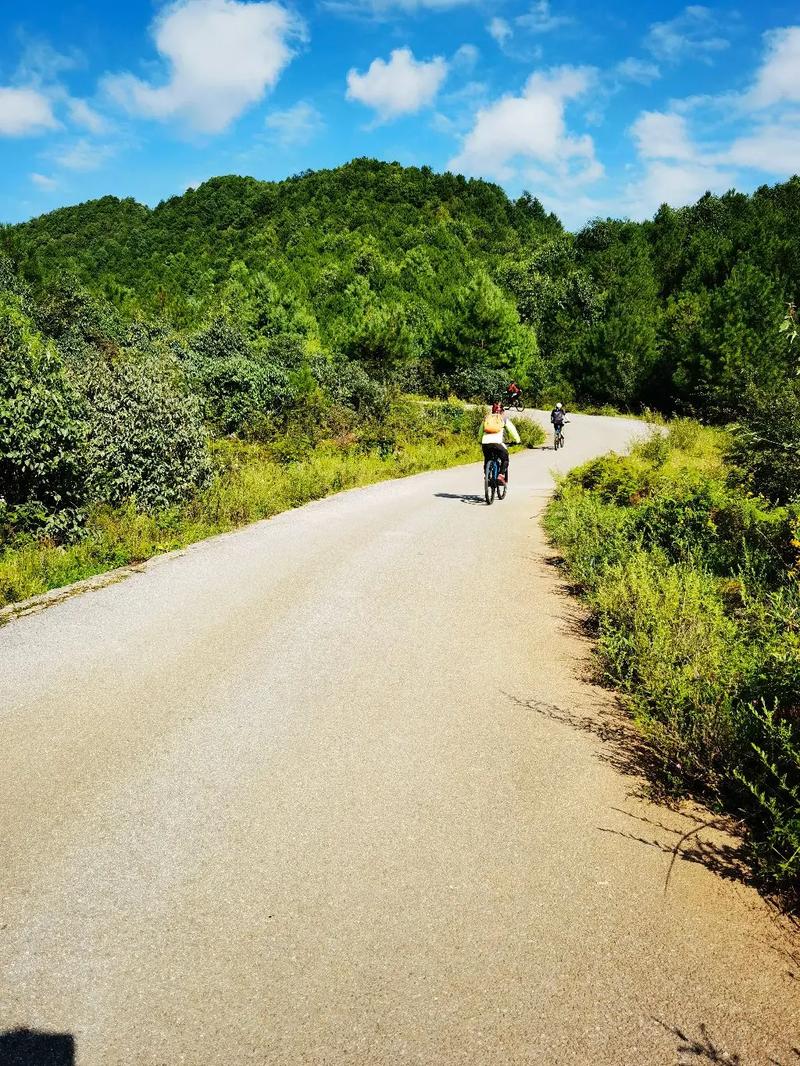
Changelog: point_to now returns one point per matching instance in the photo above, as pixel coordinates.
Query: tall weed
(695, 586)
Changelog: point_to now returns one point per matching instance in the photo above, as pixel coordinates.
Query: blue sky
(606, 111)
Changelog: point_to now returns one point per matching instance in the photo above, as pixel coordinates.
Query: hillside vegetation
(437, 281)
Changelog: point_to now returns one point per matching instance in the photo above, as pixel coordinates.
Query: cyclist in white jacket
(493, 433)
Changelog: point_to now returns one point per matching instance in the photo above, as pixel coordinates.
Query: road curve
(335, 789)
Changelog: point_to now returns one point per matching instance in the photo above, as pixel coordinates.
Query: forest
(247, 346)
(284, 314)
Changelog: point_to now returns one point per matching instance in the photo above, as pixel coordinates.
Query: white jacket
(497, 438)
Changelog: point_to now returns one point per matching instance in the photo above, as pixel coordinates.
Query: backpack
(493, 424)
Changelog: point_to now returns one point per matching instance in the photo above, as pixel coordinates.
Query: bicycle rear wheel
(489, 480)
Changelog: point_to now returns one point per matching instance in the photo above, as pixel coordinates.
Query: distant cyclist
(493, 442)
(513, 394)
(558, 417)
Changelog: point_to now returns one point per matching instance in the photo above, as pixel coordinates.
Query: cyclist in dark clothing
(558, 415)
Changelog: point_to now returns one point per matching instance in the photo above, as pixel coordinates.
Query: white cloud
(540, 19)
(754, 130)
(638, 70)
(43, 182)
(778, 80)
(296, 125)
(694, 34)
(500, 30)
(662, 136)
(40, 64)
(384, 8)
(402, 86)
(443, 124)
(24, 112)
(83, 155)
(675, 184)
(223, 56)
(465, 57)
(521, 132)
(773, 148)
(83, 114)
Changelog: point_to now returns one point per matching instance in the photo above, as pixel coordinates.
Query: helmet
(497, 408)
(558, 406)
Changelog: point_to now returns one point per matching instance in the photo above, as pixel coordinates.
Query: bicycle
(513, 403)
(558, 436)
(491, 484)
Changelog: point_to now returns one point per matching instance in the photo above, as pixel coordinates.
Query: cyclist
(492, 439)
(558, 416)
(513, 392)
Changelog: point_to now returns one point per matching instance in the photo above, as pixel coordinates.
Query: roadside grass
(693, 587)
(250, 484)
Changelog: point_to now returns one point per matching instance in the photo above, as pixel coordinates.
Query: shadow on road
(703, 1048)
(26, 1047)
(464, 498)
(624, 749)
(721, 858)
(700, 1048)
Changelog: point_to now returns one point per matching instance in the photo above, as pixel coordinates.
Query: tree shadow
(624, 748)
(27, 1047)
(722, 858)
(703, 1048)
(463, 497)
(700, 1048)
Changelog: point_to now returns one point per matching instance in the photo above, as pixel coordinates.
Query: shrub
(669, 644)
(765, 447)
(42, 471)
(695, 589)
(146, 440)
(348, 383)
(531, 433)
(478, 384)
(241, 382)
(771, 778)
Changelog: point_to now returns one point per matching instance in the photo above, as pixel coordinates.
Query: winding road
(336, 789)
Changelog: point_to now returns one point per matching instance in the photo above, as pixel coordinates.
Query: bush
(478, 384)
(42, 469)
(695, 589)
(348, 384)
(243, 384)
(146, 440)
(771, 778)
(531, 433)
(669, 644)
(765, 449)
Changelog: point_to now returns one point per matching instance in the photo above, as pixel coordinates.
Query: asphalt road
(335, 789)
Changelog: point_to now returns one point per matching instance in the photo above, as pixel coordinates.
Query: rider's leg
(503, 453)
